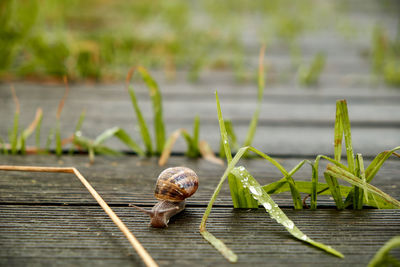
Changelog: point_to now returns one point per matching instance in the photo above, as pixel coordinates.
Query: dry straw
(147, 259)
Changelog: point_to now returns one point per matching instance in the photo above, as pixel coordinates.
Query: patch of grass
(245, 189)
(97, 40)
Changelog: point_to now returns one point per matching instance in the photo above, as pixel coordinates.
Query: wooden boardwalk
(51, 219)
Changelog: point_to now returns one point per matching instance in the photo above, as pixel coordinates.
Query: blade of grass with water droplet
(231, 139)
(224, 250)
(240, 198)
(275, 212)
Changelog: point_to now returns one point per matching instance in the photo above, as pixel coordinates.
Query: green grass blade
(277, 186)
(377, 163)
(58, 138)
(122, 136)
(338, 133)
(2, 146)
(220, 246)
(156, 98)
(78, 128)
(14, 134)
(231, 138)
(196, 133)
(361, 174)
(354, 180)
(315, 168)
(347, 135)
(233, 184)
(314, 183)
(81, 119)
(37, 131)
(372, 170)
(275, 212)
(382, 257)
(104, 150)
(303, 187)
(309, 75)
(378, 202)
(144, 131)
(335, 190)
(82, 142)
(298, 204)
(223, 249)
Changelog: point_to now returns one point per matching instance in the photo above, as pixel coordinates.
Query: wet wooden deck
(51, 219)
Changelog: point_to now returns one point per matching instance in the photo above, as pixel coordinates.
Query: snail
(173, 186)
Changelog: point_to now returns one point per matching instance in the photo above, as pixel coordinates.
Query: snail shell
(176, 184)
(173, 186)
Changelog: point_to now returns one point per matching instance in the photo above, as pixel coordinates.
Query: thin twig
(304, 201)
(62, 101)
(148, 260)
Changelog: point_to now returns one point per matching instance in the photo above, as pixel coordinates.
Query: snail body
(173, 186)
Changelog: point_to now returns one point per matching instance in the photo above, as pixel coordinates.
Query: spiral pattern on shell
(176, 184)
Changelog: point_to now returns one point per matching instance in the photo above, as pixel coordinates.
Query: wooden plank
(129, 179)
(301, 123)
(84, 235)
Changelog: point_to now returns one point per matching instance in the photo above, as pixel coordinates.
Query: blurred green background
(99, 40)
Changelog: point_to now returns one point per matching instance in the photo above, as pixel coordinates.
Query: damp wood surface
(50, 218)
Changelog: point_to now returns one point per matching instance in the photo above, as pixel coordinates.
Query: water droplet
(267, 206)
(255, 191)
(288, 224)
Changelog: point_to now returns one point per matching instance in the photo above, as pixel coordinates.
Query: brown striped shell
(176, 184)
